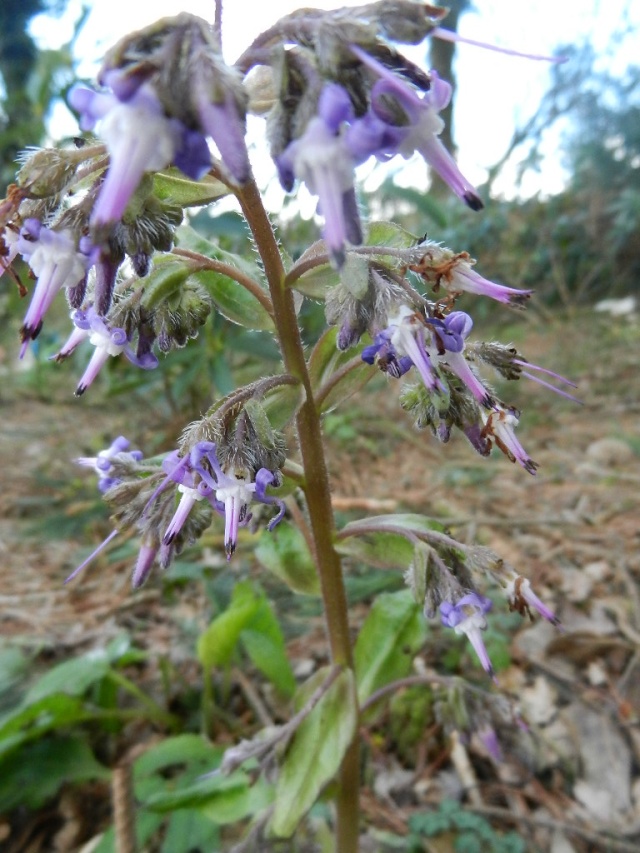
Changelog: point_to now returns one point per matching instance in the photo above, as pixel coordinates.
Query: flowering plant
(104, 223)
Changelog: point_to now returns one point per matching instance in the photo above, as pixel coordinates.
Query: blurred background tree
(580, 244)
(30, 80)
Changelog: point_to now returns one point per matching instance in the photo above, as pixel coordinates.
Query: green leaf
(234, 301)
(190, 830)
(316, 751)
(218, 642)
(410, 521)
(172, 185)
(326, 359)
(390, 234)
(282, 404)
(284, 552)
(72, 677)
(223, 799)
(315, 282)
(264, 643)
(36, 719)
(33, 775)
(380, 549)
(182, 749)
(391, 636)
(14, 666)
(189, 238)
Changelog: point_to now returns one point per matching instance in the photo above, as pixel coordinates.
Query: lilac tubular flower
(424, 123)
(192, 489)
(102, 464)
(408, 339)
(77, 336)
(382, 353)
(224, 125)
(140, 138)
(107, 342)
(467, 616)
(57, 262)
(489, 739)
(450, 335)
(321, 157)
(233, 494)
(146, 558)
(522, 598)
(463, 278)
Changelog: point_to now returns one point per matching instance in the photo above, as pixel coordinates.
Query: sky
(495, 91)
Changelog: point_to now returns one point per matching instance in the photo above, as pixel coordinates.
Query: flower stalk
(316, 488)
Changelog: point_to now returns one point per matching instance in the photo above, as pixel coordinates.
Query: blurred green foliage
(31, 80)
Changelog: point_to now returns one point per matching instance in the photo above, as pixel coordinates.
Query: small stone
(609, 452)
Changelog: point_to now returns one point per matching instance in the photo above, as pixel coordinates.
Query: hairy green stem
(316, 490)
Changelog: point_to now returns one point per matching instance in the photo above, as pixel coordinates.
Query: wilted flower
(453, 271)
(522, 598)
(499, 426)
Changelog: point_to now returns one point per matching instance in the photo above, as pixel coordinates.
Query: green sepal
(164, 280)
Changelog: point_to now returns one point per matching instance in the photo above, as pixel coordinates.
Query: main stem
(316, 490)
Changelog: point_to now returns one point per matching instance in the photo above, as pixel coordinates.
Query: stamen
(448, 35)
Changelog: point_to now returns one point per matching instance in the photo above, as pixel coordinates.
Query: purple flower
(226, 127)
(449, 335)
(382, 353)
(467, 616)
(146, 558)
(522, 598)
(140, 138)
(422, 124)
(322, 158)
(401, 345)
(234, 492)
(107, 341)
(102, 464)
(463, 278)
(200, 477)
(55, 259)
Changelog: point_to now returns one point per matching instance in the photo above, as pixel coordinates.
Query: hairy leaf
(317, 749)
